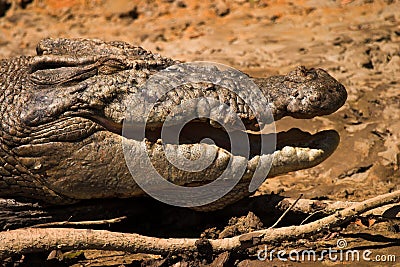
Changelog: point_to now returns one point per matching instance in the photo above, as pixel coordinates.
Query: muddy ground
(358, 42)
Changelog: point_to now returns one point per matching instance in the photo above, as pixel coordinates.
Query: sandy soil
(358, 42)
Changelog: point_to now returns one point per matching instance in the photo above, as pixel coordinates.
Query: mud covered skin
(62, 113)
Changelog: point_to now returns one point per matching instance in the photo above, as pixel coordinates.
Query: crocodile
(63, 109)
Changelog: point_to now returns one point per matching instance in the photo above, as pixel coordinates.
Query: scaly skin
(62, 114)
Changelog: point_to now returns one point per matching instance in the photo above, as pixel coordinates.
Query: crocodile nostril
(298, 94)
(315, 98)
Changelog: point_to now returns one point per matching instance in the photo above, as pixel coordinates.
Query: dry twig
(66, 223)
(286, 211)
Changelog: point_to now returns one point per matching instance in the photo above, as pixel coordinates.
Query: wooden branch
(31, 240)
(67, 223)
(285, 212)
(326, 207)
(17, 214)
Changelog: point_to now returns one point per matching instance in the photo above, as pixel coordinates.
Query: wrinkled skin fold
(62, 113)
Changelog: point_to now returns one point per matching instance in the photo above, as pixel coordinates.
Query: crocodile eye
(110, 66)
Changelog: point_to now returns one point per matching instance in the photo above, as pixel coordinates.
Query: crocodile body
(62, 113)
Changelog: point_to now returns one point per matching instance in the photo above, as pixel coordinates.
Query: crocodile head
(63, 111)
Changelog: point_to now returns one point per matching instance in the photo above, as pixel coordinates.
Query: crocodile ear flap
(57, 70)
(52, 70)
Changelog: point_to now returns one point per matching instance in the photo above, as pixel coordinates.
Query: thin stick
(64, 223)
(286, 211)
(31, 240)
(309, 216)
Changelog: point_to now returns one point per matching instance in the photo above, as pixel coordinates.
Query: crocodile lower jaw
(295, 149)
